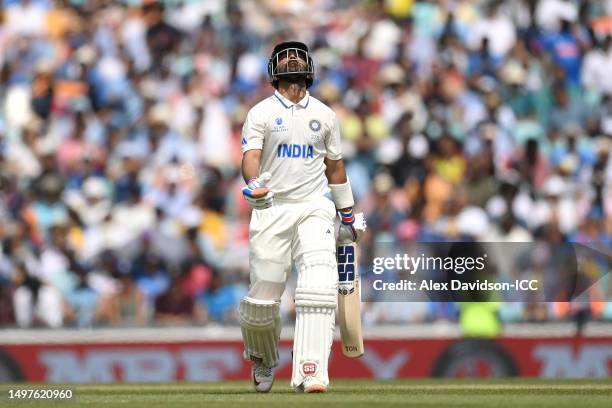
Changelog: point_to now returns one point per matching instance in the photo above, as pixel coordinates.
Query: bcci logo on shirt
(314, 125)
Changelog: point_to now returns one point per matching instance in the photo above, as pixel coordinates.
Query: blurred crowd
(120, 128)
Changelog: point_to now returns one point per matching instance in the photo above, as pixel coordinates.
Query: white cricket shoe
(312, 385)
(263, 376)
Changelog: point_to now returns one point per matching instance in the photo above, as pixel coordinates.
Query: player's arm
(334, 169)
(342, 195)
(352, 225)
(255, 192)
(336, 175)
(340, 187)
(250, 164)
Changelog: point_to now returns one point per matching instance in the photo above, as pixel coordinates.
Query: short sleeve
(253, 132)
(332, 142)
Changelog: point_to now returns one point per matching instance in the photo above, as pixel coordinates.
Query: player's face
(292, 61)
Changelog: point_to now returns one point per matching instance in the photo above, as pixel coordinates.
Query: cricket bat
(349, 300)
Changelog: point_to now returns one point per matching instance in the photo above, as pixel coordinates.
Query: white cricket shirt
(294, 139)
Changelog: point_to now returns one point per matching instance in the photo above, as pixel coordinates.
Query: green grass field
(348, 393)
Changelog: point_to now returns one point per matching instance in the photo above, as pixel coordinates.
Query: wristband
(347, 217)
(342, 195)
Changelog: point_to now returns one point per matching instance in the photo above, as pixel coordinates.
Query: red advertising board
(101, 362)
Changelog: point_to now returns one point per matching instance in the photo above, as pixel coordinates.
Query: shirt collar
(287, 103)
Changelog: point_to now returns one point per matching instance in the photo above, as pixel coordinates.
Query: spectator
(36, 302)
(176, 306)
(595, 75)
(82, 303)
(121, 126)
(151, 278)
(496, 28)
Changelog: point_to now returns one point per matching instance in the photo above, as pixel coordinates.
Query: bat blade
(349, 301)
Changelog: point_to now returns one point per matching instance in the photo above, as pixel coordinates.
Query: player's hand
(352, 227)
(257, 194)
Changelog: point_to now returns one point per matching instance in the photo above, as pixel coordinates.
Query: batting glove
(255, 194)
(352, 226)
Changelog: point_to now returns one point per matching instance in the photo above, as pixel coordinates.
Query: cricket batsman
(291, 164)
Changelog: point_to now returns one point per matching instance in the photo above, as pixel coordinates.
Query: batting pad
(315, 302)
(260, 325)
